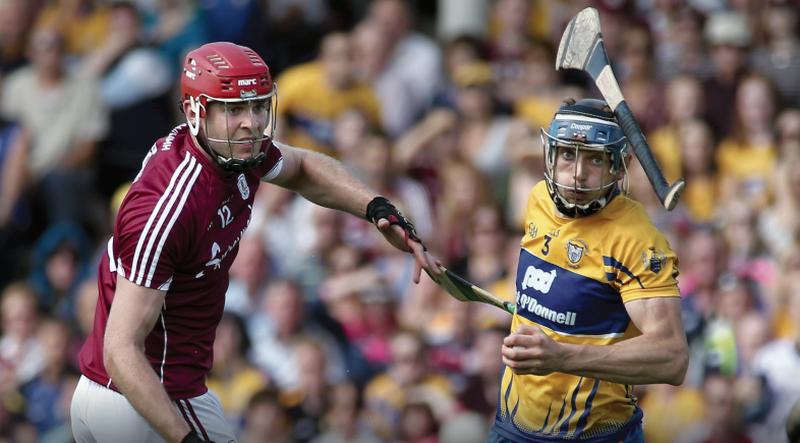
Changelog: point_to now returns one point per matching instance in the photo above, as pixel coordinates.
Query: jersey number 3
(546, 247)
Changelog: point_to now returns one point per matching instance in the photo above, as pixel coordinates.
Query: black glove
(380, 207)
(191, 437)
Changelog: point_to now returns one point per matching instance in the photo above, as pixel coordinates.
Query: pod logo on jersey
(243, 188)
(537, 279)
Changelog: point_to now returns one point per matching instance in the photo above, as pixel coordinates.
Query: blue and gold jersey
(573, 279)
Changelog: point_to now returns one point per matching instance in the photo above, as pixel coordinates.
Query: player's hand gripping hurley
(582, 48)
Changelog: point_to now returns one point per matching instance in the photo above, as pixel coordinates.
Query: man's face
(582, 174)
(240, 122)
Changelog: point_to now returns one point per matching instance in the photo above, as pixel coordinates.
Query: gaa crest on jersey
(533, 231)
(241, 183)
(576, 249)
(654, 260)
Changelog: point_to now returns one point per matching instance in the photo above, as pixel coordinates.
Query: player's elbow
(678, 364)
(114, 351)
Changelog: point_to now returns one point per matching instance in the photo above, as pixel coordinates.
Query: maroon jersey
(177, 230)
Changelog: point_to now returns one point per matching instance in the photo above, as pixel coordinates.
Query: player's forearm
(134, 377)
(640, 360)
(326, 182)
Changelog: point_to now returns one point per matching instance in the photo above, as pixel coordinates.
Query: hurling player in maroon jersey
(163, 280)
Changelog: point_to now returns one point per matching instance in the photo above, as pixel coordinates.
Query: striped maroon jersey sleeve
(154, 227)
(272, 165)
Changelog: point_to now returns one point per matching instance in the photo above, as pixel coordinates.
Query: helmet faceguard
(586, 126)
(238, 79)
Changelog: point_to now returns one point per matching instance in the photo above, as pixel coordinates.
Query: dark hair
(245, 343)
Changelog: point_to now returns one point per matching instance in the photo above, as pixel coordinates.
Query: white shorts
(100, 415)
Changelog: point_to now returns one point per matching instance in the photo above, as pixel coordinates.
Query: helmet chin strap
(572, 209)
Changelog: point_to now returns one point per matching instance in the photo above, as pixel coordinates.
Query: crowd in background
(438, 106)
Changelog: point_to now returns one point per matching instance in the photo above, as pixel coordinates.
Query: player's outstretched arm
(133, 314)
(659, 355)
(324, 181)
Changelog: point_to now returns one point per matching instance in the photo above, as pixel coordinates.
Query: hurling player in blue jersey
(598, 307)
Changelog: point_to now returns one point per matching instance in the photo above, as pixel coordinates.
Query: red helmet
(225, 71)
(228, 73)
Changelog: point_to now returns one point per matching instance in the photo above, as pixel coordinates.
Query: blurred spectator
(670, 410)
(15, 21)
(86, 296)
(728, 35)
(420, 151)
(84, 23)
(463, 190)
(483, 264)
(373, 52)
(460, 51)
(175, 27)
(465, 427)
(343, 421)
(753, 331)
(746, 253)
(327, 254)
(537, 93)
(64, 120)
(404, 64)
(249, 275)
(698, 167)
(512, 34)
(233, 378)
(483, 367)
(722, 415)
(360, 301)
(307, 404)
(277, 331)
(483, 135)
(779, 225)
(461, 17)
(237, 21)
(779, 363)
(735, 298)
(266, 419)
(43, 394)
(373, 165)
(21, 352)
(788, 127)
(683, 103)
(703, 261)
(644, 92)
(779, 58)
(418, 423)
(293, 31)
(747, 158)
(60, 263)
(679, 45)
(348, 130)
(793, 424)
(135, 81)
(314, 94)
(409, 374)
